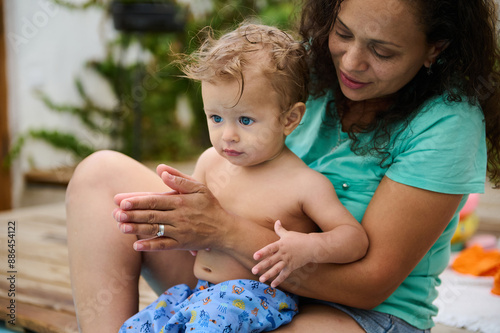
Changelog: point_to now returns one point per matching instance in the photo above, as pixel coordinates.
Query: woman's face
(377, 47)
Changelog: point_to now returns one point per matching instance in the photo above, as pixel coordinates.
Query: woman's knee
(95, 168)
(100, 162)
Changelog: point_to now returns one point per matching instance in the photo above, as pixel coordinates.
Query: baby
(254, 86)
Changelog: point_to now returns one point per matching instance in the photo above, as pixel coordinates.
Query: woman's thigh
(321, 318)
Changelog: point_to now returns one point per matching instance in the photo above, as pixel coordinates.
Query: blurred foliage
(154, 86)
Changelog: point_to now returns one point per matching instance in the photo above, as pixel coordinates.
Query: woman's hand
(192, 216)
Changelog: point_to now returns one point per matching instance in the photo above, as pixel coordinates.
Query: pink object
(486, 241)
(470, 205)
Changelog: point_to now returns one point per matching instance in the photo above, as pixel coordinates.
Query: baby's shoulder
(314, 179)
(207, 161)
(209, 157)
(305, 177)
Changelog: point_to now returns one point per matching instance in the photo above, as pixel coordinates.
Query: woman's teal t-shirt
(442, 150)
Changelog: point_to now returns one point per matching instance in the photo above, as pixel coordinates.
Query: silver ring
(161, 230)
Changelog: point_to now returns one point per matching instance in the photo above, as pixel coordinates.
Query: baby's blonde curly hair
(227, 58)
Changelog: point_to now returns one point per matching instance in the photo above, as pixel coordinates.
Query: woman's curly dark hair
(468, 68)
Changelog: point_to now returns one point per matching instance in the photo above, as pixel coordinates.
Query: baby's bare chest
(263, 201)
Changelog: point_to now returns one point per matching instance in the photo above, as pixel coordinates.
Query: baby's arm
(343, 239)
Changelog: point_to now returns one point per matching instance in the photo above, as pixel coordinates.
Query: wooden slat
(43, 290)
(42, 320)
(47, 296)
(57, 176)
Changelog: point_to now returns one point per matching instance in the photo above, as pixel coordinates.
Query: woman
(405, 108)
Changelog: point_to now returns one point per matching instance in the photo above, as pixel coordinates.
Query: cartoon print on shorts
(237, 289)
(232, 306)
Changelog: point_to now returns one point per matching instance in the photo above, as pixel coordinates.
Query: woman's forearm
(358, 284)
(242, 237)
(402, 224)
(354, 284)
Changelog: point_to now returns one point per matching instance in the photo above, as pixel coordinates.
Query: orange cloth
(496, 284)
(476, 261)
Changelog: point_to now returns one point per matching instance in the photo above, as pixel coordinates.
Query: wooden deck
(41, 282)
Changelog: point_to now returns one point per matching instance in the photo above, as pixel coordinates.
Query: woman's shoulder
(443, 148)
(441, 113)
(442, 106)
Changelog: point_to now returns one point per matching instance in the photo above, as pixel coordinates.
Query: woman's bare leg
(317, 318)
(104, 267)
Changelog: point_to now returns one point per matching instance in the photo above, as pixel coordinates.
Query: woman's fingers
(182, 185)
(163, 171)
(162, 168)
(140, 216)
(122, 196)
(140, 229)
(156, 244)
(150, 231)
(150, 201)
(191, 215)
(159, 201)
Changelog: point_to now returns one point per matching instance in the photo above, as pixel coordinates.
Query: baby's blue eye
(246, 121)
(216, 118)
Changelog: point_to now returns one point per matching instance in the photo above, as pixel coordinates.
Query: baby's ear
(292, 118)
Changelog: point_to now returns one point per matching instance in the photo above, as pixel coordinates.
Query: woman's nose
(354, 59)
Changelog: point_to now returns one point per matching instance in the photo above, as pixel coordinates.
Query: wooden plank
(47, 296)
(45, 273)
(5, 180)
(43, 289)
(56, 211)
(57, 176)
(42, 320)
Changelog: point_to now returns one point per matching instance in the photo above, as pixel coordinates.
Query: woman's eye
(246, 121)
(342, 35)
(381, 56)
(216, 118)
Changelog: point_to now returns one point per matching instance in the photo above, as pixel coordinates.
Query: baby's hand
(282, 257)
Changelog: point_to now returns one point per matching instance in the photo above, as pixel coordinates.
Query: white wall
(47, 47)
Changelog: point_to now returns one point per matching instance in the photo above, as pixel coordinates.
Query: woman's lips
(351, 83)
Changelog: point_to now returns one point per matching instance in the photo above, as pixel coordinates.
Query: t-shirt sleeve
(442, 150)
